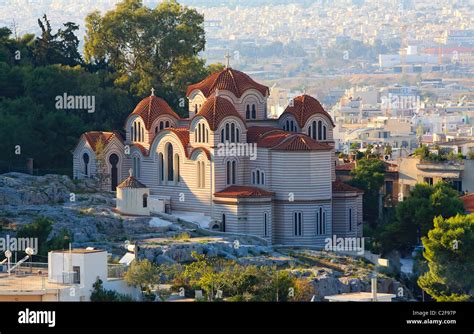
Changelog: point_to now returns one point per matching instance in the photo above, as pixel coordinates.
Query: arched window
(313, 130)
(136, 166)
(350, 220)
(230, 172)
(233, 172)
(135, 131)
(142, 139)
(227, 132)
(198, 174)
(265, 224)
(162, 125)
(324, 132)
(258, 177)
(254, 112)
(298, 223)
(145, 200)
(176, 167)
(320, 221)
(85, 159)
(230, 132)
(132, 133)
(320, 130)
(161, 168)
(207, 136)
(167, 124)
(170, 163)
(287, 127)
(247, 112)
(196, 135)
(156, 130)
(195, 108)
(203, 175)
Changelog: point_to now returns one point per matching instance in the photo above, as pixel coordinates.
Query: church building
(272, 178)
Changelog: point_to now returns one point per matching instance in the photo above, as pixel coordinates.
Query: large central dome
(230, 80)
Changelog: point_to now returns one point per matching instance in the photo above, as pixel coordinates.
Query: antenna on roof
(152, 91)
(227, 59)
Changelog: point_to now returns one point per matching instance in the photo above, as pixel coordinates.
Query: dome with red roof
(150, 108)
(305, 106)
(230, 80)
(215, 109)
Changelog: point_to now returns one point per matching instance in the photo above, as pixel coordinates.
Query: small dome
(215, 109)
(150, 108)
(305, 106)
(230, 80)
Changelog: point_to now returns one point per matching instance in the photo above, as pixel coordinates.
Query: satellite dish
(30, 251)
(8, 254)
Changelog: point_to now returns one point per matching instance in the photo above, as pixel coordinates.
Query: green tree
(414, 216)
(449, 250)
(40, 229)
(143, 274)
(369, 177)
(56, 48)
(148, 47)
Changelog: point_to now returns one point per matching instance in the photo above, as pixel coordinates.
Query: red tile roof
(243, 191)
(183, 135)
(289, 141)
(144, 151)
(215, 109)
(468, 201)
(131, 182)
(228, 79)
(150, 108)
(339, 186)
(305, 106)
(256, 132)
(347, 166)
(93, 137)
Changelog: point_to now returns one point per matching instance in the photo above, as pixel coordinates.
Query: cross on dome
(227, 59)
(152, 91)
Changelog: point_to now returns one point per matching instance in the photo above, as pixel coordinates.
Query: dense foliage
(41, 229)
(369, 177)
(220, 279)
(34, 71)
(414, 216)
(449, 250)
